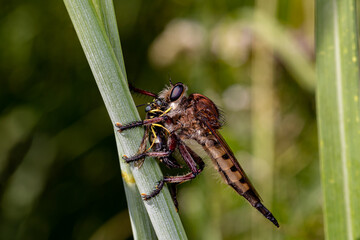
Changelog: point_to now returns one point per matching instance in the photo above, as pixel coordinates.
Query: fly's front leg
(144, 92)
(139, 123)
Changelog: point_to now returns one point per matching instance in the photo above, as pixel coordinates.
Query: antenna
(170, 80)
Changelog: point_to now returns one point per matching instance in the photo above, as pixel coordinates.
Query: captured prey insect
(172, 118)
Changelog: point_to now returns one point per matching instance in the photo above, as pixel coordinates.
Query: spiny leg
(170, 162)
(169, 179)
(173, 193)
(191, 158)
(144, 92)
(172, 142)
(146, 154)
(139, 123)
(188, 157)
(197, 159)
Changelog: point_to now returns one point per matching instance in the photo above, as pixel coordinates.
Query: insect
(171, 119)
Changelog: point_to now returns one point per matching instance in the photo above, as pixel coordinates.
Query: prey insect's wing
(142, 147)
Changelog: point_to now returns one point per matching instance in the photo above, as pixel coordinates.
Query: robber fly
(171, 119)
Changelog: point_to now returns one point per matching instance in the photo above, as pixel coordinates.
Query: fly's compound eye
(147, 108)
(176, 92)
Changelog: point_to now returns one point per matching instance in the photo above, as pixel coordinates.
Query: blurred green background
(59, 171)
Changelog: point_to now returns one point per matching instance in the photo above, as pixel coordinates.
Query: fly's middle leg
(158, 154)
(146, 154)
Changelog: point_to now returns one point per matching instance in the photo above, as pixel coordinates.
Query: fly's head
(174, 95)
(170, 101)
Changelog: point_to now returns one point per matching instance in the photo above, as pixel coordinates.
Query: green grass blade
(139, 218)
(107, 15)
(118, 101)
(338, 116)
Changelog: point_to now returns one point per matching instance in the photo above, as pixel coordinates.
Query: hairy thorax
(190, 119)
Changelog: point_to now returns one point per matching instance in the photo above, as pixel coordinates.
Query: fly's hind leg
(168, 179)
(173, 193)
(192, 160)
(197, 159)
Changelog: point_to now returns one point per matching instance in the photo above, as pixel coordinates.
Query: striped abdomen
(223, 162)
(226, 164)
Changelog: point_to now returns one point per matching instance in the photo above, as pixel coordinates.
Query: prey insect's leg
(139, 123)
(169, 161)
(142, 147)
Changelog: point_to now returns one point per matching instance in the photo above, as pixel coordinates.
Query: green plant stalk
(338, 116)
(106, 12)
(139, 218)
(120, 106)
